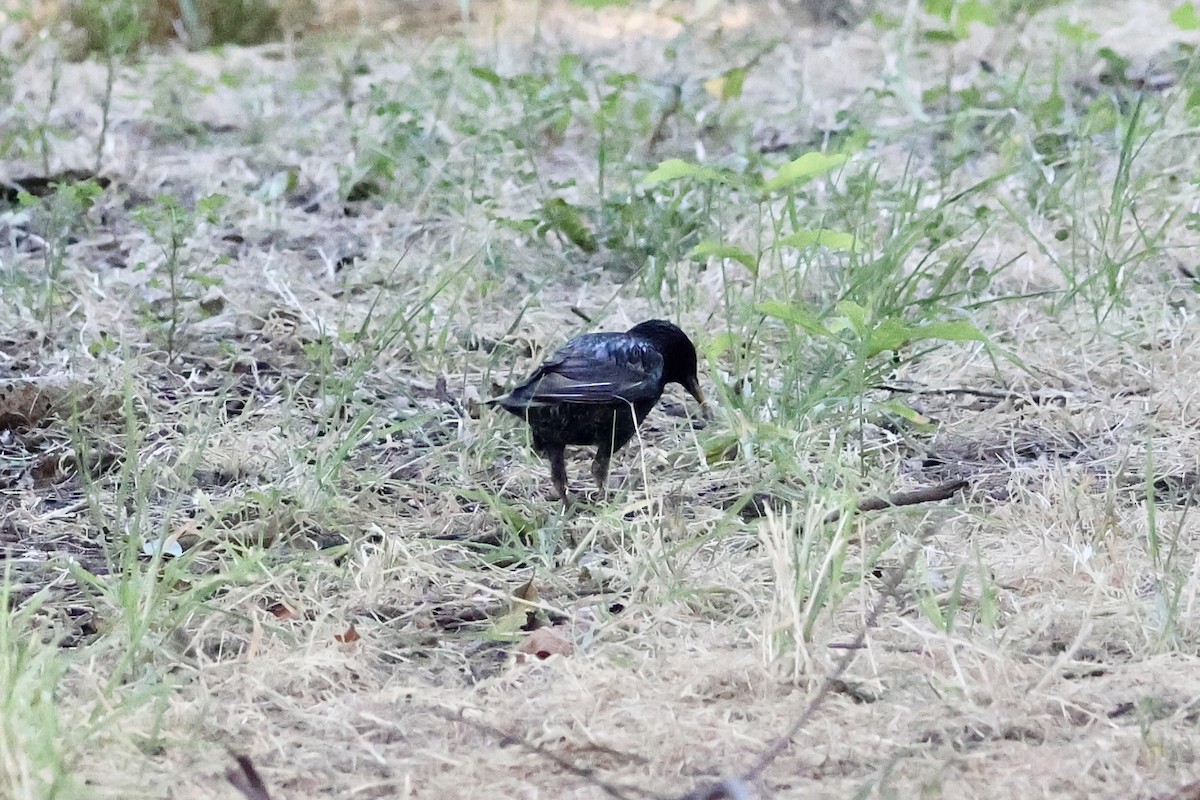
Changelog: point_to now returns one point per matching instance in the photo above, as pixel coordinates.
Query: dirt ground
(253, 506)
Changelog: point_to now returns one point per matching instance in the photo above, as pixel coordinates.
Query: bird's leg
(558, 472)
(600, 470)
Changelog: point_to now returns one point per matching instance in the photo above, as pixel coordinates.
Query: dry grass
(285, 385)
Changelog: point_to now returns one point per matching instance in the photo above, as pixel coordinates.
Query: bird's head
(678, 352)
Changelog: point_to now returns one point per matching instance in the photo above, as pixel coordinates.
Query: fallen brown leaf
(349, 637)
(283, 611)
(543, 643)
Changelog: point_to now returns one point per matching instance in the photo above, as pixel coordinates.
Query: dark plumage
(596, 390)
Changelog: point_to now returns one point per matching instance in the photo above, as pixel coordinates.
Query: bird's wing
(594, 369)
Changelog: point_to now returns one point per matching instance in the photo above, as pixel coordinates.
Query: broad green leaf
(1185, 17)
(1118, 65)
(958, 330)
(804, 168)
(855, 314)
(674, 169)
(722, 250)
(832, 240)
(794, 315)
(838, 324)
(1076, 32)
(975, 11)
(893, 334)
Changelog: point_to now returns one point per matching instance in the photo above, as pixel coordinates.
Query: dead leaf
(349, 637)
(283, 611)
(543, 643)
(526, 592)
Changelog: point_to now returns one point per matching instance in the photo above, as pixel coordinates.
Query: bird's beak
(692, 385)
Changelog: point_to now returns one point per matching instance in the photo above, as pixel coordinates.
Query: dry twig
(1038, 398)
(929, 494)
(586, 773)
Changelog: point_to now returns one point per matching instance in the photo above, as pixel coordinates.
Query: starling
(596, 390)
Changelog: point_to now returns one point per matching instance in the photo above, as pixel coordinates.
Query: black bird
(596, 390)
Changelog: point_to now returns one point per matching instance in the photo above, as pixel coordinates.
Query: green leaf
(487, 75)
(1075, 32)
(205, 280)
(855, 314)
(1185, 17)
(958, 330)
(508, 627)
(821, 237)
(940, 8)
(804, 168)
(720, 344)
(722, 250)
(793, 315)
(674, 169)
(1049, 112)
(728, 85)
(975, 11)
(210, 206)
(515, 521)
(1118, 65)
(563, 217)
(893, 334)
(909, 415)
(721, 449)
(941, 36)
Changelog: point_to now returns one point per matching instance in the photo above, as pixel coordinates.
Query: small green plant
(943, 606)
(1163, 544)
(853, 329)
(116, 27)
(812, 577)
(613, 116)
(57, 218)
(34, 737)
(45, 129)
(209, 23)
(397, 150)
(1116, 241)
(171, 225)
(119, 27)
